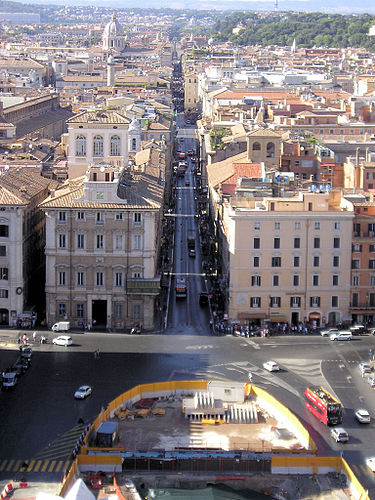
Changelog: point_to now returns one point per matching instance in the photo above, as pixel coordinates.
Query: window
(371, 229)
(117, 310)
(115, 146)
(80, 278)
(336, 242)
(3, 273)
(297, 242)
(336, 261)
(137, 241)
(355, 300)
(256, 261)
(62, 310)
(315, 301)
(316, 261)
(3, 293)
(295, 301)
(62, 278)
(358, 248)
(335, 280)
(137, 218)
(275, 301)
(371, 264)
(296, 261)
(136, 312)
(3, 251)
(356, 229)
(137, 274)
(315, 280)
(119, 216)
(255, 302)
(99, 241)
(118, 279)
(316, 242)
(4, 231)
(295, 280)
(257, 226)
(97, 149)
(62, 217)
(99, 218)
(334, 301)
(79, 310)
(80, 241)
(337, 226)
(99, 278)
(80, 145)
(276, 262)
(119, 242)
(297, 226)
(134, 142)
(371, 247)
(62, 241)
(256, 243)
(356, 280)
(317, 226)
(372, 280)
(270, 150)
(80, 215)
(276, 243)
(256, 146)
(275, 280)
(256, 280)
(277, 226)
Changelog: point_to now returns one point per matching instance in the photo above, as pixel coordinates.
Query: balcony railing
(363, 306)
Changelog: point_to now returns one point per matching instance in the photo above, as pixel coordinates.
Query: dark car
(203, 299)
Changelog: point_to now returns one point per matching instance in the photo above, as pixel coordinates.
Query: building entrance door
(99, 313)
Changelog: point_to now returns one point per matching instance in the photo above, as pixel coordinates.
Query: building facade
(101, 250)
(288, 258)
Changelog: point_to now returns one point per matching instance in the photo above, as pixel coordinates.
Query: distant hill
(339, 6)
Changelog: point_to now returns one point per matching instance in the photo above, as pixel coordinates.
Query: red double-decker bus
(323, 405)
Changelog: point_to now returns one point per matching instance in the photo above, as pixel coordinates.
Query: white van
(61, 326)
(342, 335)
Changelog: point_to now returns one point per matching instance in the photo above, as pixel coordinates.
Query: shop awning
(277, 318)
(251, 315)
(314, 315)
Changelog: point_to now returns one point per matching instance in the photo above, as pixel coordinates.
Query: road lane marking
(30, 467)
(45, 465)
(58, 467)
(3, 464)
(10, 465)
(37, 465)
(53, 463)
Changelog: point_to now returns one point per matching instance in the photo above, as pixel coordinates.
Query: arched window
(134, 143)
(115, 146)
(256, 146)
(98, 146)
(80, 145)
(270, 150)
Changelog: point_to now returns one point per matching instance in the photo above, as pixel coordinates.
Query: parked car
(271, 366)
(340, 435)
(357, 329)
(362, 416)
(330, 331)
(63, 340)
(203, 299)
(83, 392)
(370, 462)
(371, 381)
(364, 368)
(342, 335)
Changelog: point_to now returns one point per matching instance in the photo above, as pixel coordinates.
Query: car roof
(339, 430)
(361, 410)
(83, 387)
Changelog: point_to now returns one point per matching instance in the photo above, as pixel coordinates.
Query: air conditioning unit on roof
(259, 205)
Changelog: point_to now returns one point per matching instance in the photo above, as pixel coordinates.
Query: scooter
(135, 331)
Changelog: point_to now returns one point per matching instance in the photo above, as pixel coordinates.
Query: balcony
(143, 286)
(362, 306)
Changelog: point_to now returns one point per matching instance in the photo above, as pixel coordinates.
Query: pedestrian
(34, 336)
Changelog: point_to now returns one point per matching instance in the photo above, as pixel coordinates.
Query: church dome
(113, 28)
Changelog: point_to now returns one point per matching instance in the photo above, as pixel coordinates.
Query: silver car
(362, 416)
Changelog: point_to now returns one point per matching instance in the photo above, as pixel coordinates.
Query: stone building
(22, 238)
(102, 239)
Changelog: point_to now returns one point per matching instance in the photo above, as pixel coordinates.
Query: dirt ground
(172, 430)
